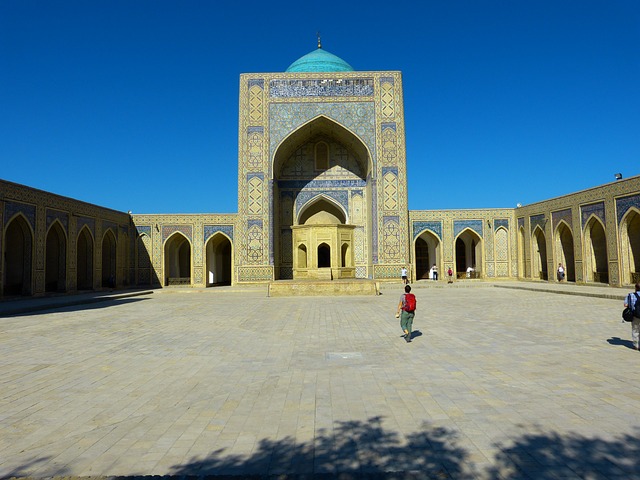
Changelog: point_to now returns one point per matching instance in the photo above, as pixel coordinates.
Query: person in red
(406, 312)
(450, 275)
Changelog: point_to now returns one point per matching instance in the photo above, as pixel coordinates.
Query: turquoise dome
(320, 61)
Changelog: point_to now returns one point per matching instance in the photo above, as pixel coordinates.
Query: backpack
(410, 302)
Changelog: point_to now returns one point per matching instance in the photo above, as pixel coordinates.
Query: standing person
(560, 272)
(435, 272)
(406, 312)
(403, 274)
(450, 275)
(632, 302)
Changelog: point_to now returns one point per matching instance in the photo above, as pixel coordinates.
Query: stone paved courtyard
(497, 383)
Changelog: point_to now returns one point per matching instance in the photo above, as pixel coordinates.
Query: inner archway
(177, 260)
(427, 247)
(596, 265)
(468, 254)
(18, 257)
(219, 255)
(630, 247)
(324, 255)
(109, 260)
(564, 250)
(539, 257)
(55, 259)
(84, 260)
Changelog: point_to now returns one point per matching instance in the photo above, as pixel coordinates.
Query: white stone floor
(497, 384)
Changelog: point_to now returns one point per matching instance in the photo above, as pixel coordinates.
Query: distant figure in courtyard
(450, 275)
(403, 274)
(631, 301)
(431, 273)
(560, 272)
(434, 269)
(406, 312)
(470, 271)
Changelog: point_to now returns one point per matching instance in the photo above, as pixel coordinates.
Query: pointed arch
(595, 254)
(219, 259)
(322, 209)
(18, 256)
(109, 259)
(539, 254)
(468, 253)
(177, 260)
(630, 246)
(427, 249)
(324, 255)
(55, 258)
(521, 253)
(84, 259)
(502, 254)
(564, 249)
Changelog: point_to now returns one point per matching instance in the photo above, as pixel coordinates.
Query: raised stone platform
(315, 288)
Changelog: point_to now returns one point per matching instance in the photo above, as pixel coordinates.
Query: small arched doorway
(595, 241)
(18, 257)
(177, 260)
(56, 259)
(539, 257)
(468, 254)
(564, 250)
(630, 247)
(219, 255)
(109, 260)
(427, 253)
(84, 260)
(324, 256)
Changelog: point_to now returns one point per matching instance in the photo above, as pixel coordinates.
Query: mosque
(322, 195)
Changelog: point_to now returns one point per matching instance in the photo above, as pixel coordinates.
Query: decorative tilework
(596, 209)
(12, 208)
(520, 223)
(387, 99)
(390, 189)
(419, 227)
(90, 223)
(560, 215)
(475, 225)
(258, 82)
(389, 145)
(144, 229)
(320, 184)
(339, 196)
(537, 221)
(210, 230)
(168, 230)
(501, 222)
(322, 87)
(62, 217)
(106, 225)
(625, 203)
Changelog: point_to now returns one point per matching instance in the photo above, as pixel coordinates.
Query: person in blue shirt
(630, 301)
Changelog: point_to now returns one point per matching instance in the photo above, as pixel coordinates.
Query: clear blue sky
(133, 104)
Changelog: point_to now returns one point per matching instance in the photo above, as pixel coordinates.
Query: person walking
(560, 272)
(406, 312)
(631, 301)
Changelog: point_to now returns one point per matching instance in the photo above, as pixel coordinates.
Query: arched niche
(177, 260)
(109, 256)
(18, 257)
(539, 267)
(468, 251)
(55, 274)
(84, 260)
(521, 253)
(564, 250)
(219, 254)
(427, 252)
(630, 247)
(595, 255)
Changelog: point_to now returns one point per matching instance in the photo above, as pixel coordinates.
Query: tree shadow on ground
(353, 449)
(542, 456)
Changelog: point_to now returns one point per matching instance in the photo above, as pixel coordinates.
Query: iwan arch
(322, 194)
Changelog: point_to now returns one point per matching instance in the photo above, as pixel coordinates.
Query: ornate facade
(322, 193)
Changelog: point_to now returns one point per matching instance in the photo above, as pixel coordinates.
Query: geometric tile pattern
(210, 230)
(625, 203)
(596, 209)
(433, 226)
(476, 225)
(562, 215)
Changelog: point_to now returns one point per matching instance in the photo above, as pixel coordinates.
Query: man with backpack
(406, 312)
(633, 301)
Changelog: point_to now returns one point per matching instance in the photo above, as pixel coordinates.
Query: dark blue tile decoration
(390, 218)
(596, 209)
(387, 80)
(321, 184)
(106, 225)
(625, 203)
(260, 175)
(256, 81)
(501, 222)
(374, 224)
(168, 230)
(89, 222)
(386, 170)
(475, 225)
(255, 129)
(560, 215)
(29, 211)
(144, 230)
(62, 217)
(520, 223)
(210, 230)
(537, 221)
(357, 192)
(340, 196)
(321, 87)
(254, 222)
(419, 227)
(391, 125)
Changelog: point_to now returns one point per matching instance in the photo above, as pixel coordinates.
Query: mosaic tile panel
(501, 222)
(340, 196)
(90, 223)
(596, 209)
(12, 208)
(322, 87)
(520, 223)
(475, 225)
(419, 227)
(168, 230)
(625, 203)
(537, 221)
(390, 189)
(144, 229)
(255, 274)
(210, 230)
(62, 217)
(387, 98)
(389, 155)
(361, 272)
(562, 215)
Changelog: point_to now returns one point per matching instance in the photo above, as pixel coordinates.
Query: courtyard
(498, 383)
